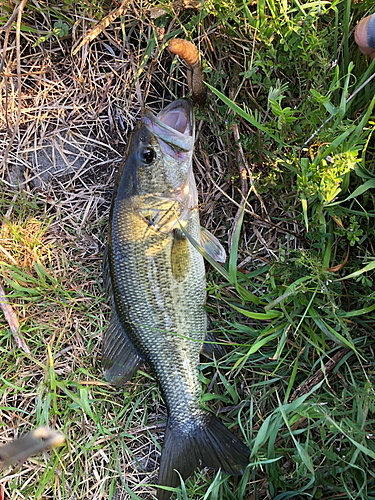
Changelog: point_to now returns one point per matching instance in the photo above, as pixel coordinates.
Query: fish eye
(148, 155)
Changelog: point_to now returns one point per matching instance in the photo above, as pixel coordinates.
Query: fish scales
(156, 280)
(160, 307)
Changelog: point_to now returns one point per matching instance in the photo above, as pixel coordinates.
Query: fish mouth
(173, 127)
(174, 130)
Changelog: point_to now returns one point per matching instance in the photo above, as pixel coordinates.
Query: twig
(18, 53)
(12, 322)
(131, 58)
(110, 78)
(6, 220)
(332, 116)
(7, 27)
(10, 209)
(248, 211)
(240, 406)
(241, 161)
(102, 25)
(340, 266)
(243, 181)
(319, 375)
(235, 224)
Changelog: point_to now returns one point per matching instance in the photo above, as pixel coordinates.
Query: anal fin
(120, 359)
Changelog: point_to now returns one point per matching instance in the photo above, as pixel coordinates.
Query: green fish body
(156, 280)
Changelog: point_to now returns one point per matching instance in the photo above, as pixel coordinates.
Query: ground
(296, 305)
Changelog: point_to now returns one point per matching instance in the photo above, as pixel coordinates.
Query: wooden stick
(317, 377)
(102, 25)
(243, 179)
(12, 322)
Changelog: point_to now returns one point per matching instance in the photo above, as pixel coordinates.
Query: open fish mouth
(173, 127)
(174, 130)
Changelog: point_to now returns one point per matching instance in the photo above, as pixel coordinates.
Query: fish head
(161, 150)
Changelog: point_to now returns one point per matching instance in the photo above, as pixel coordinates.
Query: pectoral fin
(180, 255)
(212, 245)
(120, 359)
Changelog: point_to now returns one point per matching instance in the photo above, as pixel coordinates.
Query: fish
(155, 279)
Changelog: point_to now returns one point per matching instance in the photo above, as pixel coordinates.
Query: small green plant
(60, 30)
(284, 115)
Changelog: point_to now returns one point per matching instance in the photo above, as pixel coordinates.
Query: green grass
(302, 296)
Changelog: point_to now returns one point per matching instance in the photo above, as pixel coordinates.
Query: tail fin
(208, 444)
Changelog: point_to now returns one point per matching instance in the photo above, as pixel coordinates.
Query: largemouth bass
(156, 279)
